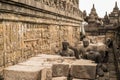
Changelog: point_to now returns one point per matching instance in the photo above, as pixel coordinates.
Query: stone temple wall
(29, 27)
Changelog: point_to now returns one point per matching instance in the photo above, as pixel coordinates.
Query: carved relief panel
(37, 36)
(1, 45)
(54, 38)
(12, 43)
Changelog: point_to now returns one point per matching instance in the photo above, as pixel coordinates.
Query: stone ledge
(18, 18)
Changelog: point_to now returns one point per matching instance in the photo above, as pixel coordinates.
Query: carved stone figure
(85, 42)
(65, 50)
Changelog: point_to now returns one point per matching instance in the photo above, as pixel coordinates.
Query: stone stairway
(51, 67)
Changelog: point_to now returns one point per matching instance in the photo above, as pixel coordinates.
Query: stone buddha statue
(65, 50)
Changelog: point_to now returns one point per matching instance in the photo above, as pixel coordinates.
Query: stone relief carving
(62, 5)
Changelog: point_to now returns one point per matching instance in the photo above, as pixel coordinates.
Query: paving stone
(19, 72)
(60, 69)
(59, 78)
(83, 69)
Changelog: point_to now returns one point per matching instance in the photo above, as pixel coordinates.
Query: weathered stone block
(19, 72)
(60, 69)
(59, 78)
(83, 69)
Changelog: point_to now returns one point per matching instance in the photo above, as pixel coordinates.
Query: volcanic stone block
(19, 72)
(59, 78)
(83, 69)
(60, 69)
